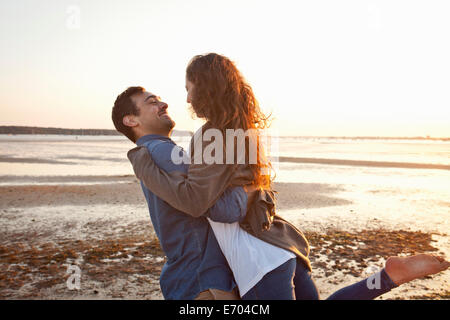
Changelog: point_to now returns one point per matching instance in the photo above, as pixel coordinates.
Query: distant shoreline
(15, 130)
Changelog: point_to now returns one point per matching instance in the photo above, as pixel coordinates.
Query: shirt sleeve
(162, 158)
(231, 206)
(193, 192)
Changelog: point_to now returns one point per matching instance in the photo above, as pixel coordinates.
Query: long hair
(225, 100)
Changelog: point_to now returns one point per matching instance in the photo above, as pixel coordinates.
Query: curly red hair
(226, 101)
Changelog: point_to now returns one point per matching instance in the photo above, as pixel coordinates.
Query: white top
(249, 257)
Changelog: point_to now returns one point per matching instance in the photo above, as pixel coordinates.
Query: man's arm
(193, 192)
(230, 207)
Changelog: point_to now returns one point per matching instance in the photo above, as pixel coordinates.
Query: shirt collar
(150, 137)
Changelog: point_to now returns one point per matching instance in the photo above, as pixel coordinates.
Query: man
(196, 267)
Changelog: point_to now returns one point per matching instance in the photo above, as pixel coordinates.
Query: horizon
(321, 69)
(282, 136)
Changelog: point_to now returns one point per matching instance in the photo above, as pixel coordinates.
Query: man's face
(153, 116)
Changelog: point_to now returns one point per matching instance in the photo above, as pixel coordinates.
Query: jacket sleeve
(192, 193)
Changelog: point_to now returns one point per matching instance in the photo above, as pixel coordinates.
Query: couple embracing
(216, 220)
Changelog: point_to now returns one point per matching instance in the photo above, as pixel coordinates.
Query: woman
(268, 255)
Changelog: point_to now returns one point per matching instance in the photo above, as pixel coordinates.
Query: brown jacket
(195, 192)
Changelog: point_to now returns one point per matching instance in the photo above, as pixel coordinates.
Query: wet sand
(105, 230)
(362, 163)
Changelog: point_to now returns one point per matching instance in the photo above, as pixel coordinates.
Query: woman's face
(190, 91)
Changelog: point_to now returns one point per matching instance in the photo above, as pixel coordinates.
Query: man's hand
(251, 191)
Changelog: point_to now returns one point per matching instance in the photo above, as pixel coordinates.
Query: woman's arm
(192, 193)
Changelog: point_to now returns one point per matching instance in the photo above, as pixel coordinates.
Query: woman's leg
(366, 289)
(305, 287)
(292, 281)
(276, 285)
(398, 270)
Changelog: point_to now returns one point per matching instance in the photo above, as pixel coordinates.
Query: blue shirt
(194, 260)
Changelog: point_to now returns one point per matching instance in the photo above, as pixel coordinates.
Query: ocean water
(44, 155)
(401, 196)
(387, 150)
(59, 155)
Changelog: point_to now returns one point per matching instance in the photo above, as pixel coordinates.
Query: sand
(102, 226)
(362, 163)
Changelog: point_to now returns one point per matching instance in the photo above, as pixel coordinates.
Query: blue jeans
(292, 281)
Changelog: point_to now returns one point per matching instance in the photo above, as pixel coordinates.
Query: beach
(105, 230)
(68, 208)
(347, 110)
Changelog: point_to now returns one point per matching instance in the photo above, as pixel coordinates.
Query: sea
(403, 183)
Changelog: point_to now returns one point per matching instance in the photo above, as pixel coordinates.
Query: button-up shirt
(194, 260)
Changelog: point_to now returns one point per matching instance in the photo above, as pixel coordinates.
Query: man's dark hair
(125, 106)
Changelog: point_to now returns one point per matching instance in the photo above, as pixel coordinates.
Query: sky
(321, 68)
